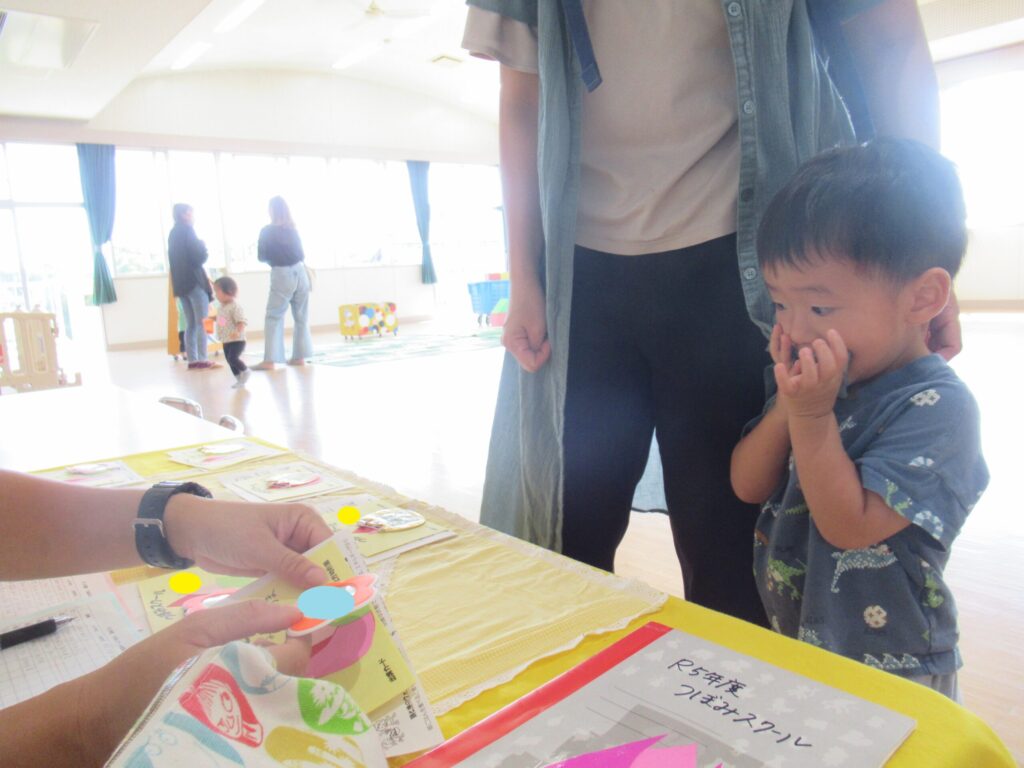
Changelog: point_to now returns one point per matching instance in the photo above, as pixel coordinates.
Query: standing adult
(632, 209)
(280, 247)
(186, 254)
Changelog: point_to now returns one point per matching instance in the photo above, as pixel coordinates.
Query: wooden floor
(422, 426)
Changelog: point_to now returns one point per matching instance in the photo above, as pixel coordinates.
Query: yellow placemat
(475, 610)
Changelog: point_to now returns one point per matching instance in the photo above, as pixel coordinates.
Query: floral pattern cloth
(913, 435)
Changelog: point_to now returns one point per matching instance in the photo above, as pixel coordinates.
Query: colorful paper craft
(333, 602)
(220, 455)
(283, 482)
(394, 519)
(360, 654)
(637, 754)
(105, 474)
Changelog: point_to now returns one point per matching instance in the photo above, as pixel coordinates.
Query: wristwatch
(150, 537)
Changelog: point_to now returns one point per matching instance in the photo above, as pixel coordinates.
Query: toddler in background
(868, 459)
(231, 327)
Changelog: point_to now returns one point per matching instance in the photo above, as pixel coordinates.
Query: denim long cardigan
(789, 111)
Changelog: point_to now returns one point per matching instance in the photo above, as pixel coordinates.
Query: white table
(70, 425)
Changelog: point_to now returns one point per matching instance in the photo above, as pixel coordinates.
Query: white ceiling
(395, 41)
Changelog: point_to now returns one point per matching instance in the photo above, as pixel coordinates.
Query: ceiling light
(190, 54)
(356, 55)
(243, 11)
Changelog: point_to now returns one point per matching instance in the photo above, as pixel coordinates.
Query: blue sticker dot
(326, 603)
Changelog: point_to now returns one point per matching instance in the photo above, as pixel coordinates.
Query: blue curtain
(418, 170)
(96, 168)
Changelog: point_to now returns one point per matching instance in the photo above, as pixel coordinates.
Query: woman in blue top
(280, 247)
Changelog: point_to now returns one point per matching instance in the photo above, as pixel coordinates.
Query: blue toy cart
(485, 296)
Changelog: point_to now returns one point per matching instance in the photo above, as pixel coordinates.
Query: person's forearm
(49, 528)
(517, 138)
(892, 59)
(829, 480)
(45, 730)
(759, 460)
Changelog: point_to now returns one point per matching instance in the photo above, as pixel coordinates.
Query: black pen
(32, 631)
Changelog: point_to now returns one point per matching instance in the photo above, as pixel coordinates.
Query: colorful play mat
(385, 349)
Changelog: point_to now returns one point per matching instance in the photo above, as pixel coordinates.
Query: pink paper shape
(636, 754)
(345, 646)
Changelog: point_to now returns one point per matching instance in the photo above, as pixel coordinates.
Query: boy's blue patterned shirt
(913, 435)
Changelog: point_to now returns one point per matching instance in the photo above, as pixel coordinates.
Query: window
(193, 180)
(981, 127)
(45, 249)
(348, 212)
(466, 226)
(142, 215)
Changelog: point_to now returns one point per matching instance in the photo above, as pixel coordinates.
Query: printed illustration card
(658, 691)
(284, 482)
(215, 456)
(99, 474)
(168, 597)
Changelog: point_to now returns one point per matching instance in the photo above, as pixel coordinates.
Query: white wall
(139, 315)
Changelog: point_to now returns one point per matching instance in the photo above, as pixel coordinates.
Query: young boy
(231, 328)
(867, 460)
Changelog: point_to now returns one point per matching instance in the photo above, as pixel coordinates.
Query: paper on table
(376, 546)
(100, 631)
(115, 473)
(217, 455)
(21, 597)
(253, 486)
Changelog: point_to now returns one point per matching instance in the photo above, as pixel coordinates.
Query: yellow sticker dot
(185, 583)
(348, 515)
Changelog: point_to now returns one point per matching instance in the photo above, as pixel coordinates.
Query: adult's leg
(302, 340)
(282, 286)
(708, 383)
(196, 304)
(609, 416)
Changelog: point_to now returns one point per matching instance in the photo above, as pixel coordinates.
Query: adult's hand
(247, 539)
(83, 721)
(944, 333)
(525, 332)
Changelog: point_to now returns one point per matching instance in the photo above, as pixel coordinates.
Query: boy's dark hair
(227, 285)
(893, 207)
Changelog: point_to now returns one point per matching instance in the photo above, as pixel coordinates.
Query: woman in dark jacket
(187, 254)
(280, 247)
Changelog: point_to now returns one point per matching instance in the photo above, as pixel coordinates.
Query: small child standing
(231, 328)
(867, 460)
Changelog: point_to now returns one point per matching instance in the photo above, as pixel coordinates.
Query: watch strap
(150, 537)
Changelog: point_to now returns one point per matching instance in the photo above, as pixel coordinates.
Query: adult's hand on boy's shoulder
(944, 333)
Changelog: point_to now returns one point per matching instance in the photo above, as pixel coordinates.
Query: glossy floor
(422, 426)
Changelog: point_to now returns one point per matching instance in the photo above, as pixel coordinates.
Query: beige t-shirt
(659, 145)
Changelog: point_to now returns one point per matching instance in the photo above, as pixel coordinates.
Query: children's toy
(28, 352)
(368, 319)
(487, 295)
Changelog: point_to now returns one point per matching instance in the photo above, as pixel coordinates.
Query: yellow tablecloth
(946, 734)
